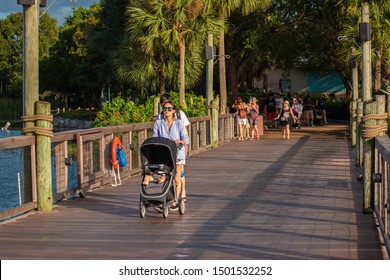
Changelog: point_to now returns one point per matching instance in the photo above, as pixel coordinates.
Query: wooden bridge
(267, 199)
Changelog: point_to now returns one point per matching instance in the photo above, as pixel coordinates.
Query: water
(12, 174)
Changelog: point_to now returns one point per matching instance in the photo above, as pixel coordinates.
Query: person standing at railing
(242, 119)
(253, 118)
(181, 116)
(173, 128)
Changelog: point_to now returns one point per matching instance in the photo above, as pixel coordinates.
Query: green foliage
(11, 50)
(120, 112)
(72, 69)
(337, 108)
(196, 105)
(11, 39)
(10, 109)
(156, 32)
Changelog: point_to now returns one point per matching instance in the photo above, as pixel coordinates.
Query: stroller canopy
(159, 150)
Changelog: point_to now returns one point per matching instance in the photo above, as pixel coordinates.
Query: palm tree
(224, 9)
(160, 28)
(380, 19)
(380, 24)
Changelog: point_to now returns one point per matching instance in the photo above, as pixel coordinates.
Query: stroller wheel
(142, 209)
(165, 211)
(82, 194)
(182, 207)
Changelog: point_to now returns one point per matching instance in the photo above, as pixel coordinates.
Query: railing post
(214, 123)
(44, 176)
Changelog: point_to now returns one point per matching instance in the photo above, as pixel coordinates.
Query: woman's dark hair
(239, 99)
(165, 97)
(171, 102)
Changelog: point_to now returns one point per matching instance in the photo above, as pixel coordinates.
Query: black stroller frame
(158, 156)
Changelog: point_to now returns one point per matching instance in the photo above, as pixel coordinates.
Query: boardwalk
(267, 199)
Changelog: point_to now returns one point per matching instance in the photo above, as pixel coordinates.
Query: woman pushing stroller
(173, 128)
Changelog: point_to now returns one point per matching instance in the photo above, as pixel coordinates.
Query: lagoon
(12, 174)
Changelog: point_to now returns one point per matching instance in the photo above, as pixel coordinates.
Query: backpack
(242, 113)
(121, 157)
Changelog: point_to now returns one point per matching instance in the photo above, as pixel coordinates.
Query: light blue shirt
(177, 132)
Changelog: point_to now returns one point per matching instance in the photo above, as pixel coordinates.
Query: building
(297, 81)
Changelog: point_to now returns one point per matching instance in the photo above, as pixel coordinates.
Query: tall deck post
(355, 95)
(368, 161)
(368, 108)
(30, 79)
(44, 176)
(209, 71)
(359, 146)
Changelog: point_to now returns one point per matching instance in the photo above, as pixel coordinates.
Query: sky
(60, 9)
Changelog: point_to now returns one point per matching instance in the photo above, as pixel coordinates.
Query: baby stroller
(159, 164)
(297, 124)
(319, 117)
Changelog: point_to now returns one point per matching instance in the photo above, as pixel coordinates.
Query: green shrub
(196, 105)
(120, 111)
(337, 108)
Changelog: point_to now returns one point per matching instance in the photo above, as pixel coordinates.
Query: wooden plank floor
(268, 199)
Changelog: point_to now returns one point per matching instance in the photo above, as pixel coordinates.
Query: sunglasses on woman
(167, 109)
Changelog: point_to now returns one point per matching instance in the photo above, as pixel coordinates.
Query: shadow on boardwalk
(267, 199)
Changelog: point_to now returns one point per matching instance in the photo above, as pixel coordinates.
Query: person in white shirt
(279, 103)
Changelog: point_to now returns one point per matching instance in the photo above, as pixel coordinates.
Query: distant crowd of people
(247, 118)
(286, 111)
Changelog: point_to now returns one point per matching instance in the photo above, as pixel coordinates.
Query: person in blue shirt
(180, 115)
(173, 128)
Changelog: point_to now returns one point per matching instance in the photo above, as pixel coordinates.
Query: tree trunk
(232, 73)
(222, 69)
(182, 48)
(163, 77)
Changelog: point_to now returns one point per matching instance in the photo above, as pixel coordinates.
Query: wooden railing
(87, 152)
(26, 145)
(381, 179)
